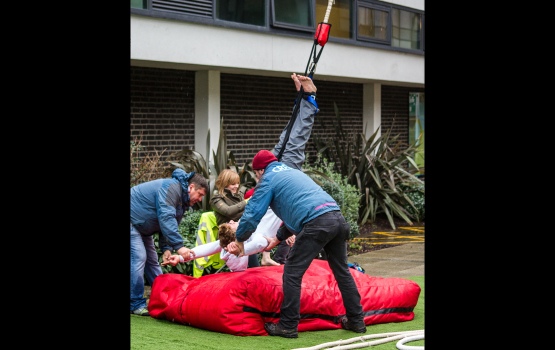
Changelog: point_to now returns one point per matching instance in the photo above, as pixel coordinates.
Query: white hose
(387, 337)
(400, 343)
(328, 10)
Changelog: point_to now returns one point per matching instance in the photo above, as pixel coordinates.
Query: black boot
(276, 329)
(345, 324)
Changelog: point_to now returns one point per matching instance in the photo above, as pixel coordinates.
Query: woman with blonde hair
(228, 203)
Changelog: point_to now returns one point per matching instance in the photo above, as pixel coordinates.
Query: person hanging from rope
(292, 143)
(294, 156)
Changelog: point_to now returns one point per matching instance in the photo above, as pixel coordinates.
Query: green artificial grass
(150, 333)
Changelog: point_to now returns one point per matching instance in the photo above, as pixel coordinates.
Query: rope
(328, 10)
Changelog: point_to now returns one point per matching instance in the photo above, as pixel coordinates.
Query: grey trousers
(293, 155)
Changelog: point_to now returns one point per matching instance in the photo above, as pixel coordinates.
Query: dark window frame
(420, 36)
(371, 6)
(250, 26)
(291, 30)
(422, 33)
(286, 25)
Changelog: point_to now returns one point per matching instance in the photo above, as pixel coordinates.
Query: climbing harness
(320, 38)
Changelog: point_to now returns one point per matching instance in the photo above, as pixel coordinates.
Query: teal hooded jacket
(293, 196)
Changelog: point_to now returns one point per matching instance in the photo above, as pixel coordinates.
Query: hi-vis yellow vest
(207, 232)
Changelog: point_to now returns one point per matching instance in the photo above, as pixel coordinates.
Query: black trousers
(330, 232)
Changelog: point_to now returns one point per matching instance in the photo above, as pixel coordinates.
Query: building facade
(195, 64)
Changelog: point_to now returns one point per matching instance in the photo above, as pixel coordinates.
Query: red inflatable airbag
(239, 303)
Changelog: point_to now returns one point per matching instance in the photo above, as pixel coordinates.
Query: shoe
(345, 324)
(275, 329)
(142, 311)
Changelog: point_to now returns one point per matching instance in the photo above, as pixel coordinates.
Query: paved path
(403, 234)
(403, 260)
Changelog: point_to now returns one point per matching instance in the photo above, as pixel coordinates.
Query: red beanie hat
(262, 159)
(249, 193)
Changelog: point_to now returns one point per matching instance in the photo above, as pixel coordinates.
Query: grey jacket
(157, 206)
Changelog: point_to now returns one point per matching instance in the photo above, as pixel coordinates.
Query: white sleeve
(207, 249)
(269, 224)
(268, 227)
(235, 263)
(257, 244)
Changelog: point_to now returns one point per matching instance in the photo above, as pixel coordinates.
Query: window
(139, 4)
(407, 29)
(370, 23)
(293, 14)
(242, 11)
(416, 127)
(339, 17)
(373, 24)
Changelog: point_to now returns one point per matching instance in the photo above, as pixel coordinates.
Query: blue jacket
(293, 196)
(157, 206)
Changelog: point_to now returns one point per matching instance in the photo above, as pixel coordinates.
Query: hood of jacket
(183, 178)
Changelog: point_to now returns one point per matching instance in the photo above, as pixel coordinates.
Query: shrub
(347, 196)
(145, 166)
(415, 193)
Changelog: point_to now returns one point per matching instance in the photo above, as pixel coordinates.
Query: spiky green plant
(380, 167)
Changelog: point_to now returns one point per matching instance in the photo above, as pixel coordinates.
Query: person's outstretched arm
(207, 249)
(293, 154)
(256, 244)
(197, 252)
(268, 226)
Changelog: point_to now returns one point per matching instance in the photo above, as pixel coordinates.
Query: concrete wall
(181, 45)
